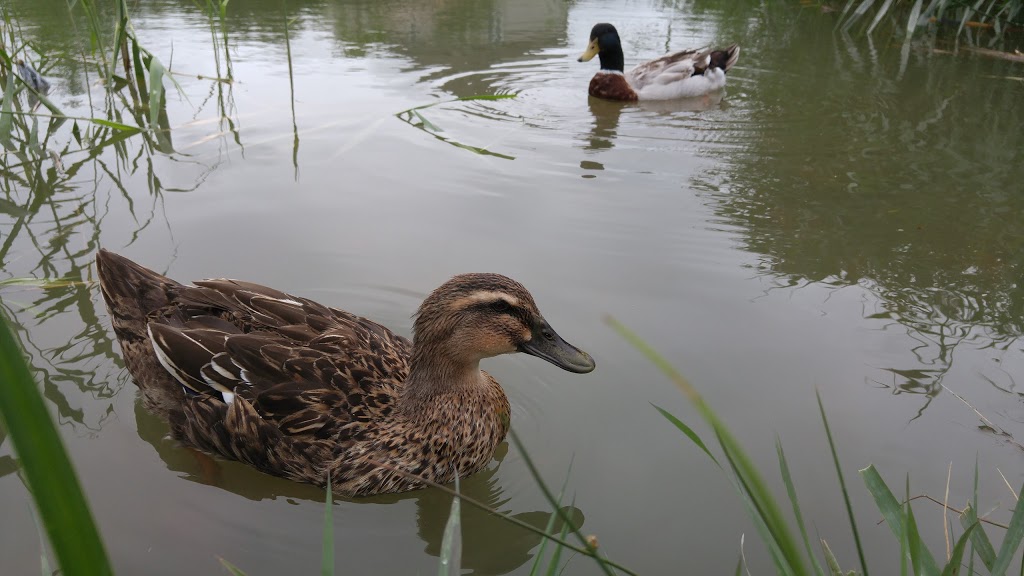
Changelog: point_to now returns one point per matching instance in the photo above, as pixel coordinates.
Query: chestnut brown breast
(612, 87)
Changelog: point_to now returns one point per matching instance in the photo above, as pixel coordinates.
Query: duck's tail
(132, 293)
(725, 59)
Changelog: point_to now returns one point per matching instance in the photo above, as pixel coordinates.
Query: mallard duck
(685, 74)
(303, 391)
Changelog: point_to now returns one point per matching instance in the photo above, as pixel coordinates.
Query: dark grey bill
(547, 344)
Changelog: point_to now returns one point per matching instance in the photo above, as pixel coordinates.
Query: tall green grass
(777, 534)
(50, 476)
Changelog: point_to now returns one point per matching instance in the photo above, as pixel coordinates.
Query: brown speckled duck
(300, 390)
(686, 74)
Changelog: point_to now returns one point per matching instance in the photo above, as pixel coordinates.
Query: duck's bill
(592, 50)
(545, 343)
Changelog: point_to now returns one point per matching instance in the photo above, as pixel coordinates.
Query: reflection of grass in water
(997, 15)
(411, 116)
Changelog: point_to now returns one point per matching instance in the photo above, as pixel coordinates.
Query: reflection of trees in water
(901, 177)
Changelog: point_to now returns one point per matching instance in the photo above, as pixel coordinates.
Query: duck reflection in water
(490, 545)
(607, 113)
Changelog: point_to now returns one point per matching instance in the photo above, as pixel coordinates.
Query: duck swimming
(685, 74)
(303, 391)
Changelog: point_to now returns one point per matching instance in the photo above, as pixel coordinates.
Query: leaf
(830, 560)
(764, 509)
(116, 125)
(6, 115)
(427, 123)
(556, 556)
(892, 512)
(327, 562)
(982, 545)
(12, 209)
(688, 431)
(156, 91)
(451, 544)
(915, 14)
(551, 525)
(43, 282)
(953, 567)
(231, 568)
(48, 472)
(1011, 541)
(842, 485)
(791, 490)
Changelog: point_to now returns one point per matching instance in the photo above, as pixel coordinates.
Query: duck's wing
(668, 69)
(225, 334)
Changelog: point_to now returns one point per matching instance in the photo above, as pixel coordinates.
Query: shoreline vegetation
(78, 548)
(135, 106)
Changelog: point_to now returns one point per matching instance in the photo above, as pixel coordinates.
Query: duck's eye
(500, 306)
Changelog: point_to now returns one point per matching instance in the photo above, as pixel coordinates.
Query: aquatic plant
(776, 532)
(998, 15)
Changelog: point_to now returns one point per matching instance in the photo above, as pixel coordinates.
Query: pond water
(848, 219)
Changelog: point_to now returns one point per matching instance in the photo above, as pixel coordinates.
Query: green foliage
(55, 489)
(776, 533)
(995, 14)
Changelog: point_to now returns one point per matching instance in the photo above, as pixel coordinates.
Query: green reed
(46, 467)
(777, 534)
(999, 15)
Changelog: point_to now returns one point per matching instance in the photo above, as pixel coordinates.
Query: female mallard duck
(685, 74)
(307, 392)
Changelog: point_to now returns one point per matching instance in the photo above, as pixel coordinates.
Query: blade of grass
(953, 567)
(1011, 541)
(6, 116)
(116, 125)
(777, 535)
(979, 539)
(451, 543)
(830, 560)
(787, 479)
(879, 15)
(915, 14)
(842, 485)
(44, 562)
(554, 503)
(55, 489)
(688, 431)
(551, 523)
(231, 568)
(156, 91)
(556, 556)
(327, 561)
(918, 553)
(585, 550)
(892, 512)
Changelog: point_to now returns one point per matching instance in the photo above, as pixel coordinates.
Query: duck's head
(476, 316)
(604, 39)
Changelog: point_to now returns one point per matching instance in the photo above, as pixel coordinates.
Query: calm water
(848, 218)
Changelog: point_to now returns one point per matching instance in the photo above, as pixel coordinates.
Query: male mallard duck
(307, 392)
(683, 74)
